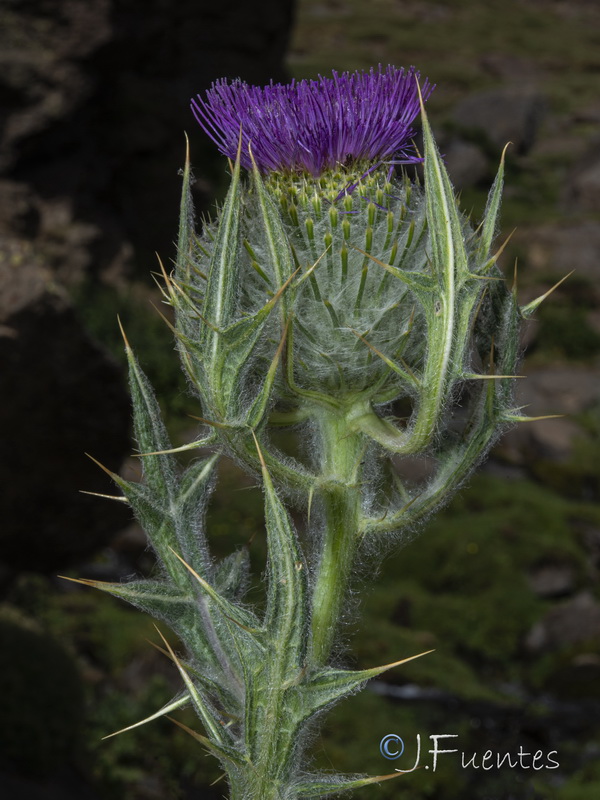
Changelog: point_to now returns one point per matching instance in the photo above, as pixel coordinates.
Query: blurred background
(504, 584)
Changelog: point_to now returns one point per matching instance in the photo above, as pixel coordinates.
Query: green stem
(341, 454)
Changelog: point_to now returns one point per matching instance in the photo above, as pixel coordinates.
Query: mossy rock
(463, 589)
(41, 698)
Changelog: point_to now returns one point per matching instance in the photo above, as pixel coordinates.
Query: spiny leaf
(232, 357)
(281, 257)
(223, 752)
(202, 708)
(186, 218)
(491, 261)
(150, 432)
(153, 597)
(172, 706)
(327, 786)
(118, 498)
(528, 309)
(156, 522)
(330, 685)
(212, 688)
(184, 448)
(311, 269)
(259, 407)
(286, 603)
(232, 574)
(509, 416)
(490, 221)
(449, 259)
(406, 374)
(188, 512)
(168, 294)
(222, 279)
(243, 619)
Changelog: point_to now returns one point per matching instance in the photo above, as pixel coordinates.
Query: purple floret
(317, 125)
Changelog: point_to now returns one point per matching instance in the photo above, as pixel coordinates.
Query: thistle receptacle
(331, 295)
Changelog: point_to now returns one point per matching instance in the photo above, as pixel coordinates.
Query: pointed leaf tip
(118, 498)
(187, 148)
(220, 750)
(102, 467)
(513, 288)
(166, 278)
(325, 786)
(127, 345)
(259, 452)
(162, 712)
(528, 309)
(210, 422)
(521, 418)
(404, 660)
(421, 103)
(169, 324)
(251, 154)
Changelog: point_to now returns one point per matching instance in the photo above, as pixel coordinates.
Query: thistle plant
(334, 297)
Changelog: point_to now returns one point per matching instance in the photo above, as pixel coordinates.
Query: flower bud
(367, 287)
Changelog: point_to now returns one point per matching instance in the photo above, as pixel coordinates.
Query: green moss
(462, 588)
(496, 529)
(444, 669)
(569, 673)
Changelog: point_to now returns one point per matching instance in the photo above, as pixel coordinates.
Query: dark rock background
(94, 102)
(93, 105)
(94, 99)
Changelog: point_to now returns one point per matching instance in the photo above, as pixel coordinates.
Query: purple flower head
(315, 125)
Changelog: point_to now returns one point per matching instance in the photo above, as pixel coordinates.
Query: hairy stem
(341, 454)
